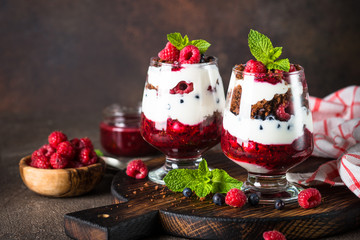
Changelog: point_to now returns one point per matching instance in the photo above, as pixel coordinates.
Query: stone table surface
(26, 215)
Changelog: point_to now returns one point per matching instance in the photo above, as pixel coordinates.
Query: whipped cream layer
(270, 130)
(189, 108)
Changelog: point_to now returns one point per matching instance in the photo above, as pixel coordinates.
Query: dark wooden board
(143, 208)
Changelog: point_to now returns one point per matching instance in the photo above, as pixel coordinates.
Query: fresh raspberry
(66, 149)
(56, 137)
(269, 79)
(86, 143)
(281, 113)
(137, 169)
(47, 150)
(87, 156)
(35, 154)
(75, 164)
(253, 66)
(169, 53)
(309, 198)
(273, 235)
(58, 161)
(292, 68)
(182, 87)
(76, 143)
(40, 161)
(235, 198)
(189, 55)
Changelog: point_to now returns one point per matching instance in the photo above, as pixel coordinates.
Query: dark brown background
(63, 61)
(79, 56)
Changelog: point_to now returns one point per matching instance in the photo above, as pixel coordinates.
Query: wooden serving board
(143, 208)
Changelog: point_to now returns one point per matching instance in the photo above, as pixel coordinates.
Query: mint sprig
(180, 42)
(99, 153)
(262, 49)
(202, 181)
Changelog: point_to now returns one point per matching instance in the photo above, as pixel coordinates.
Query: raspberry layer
(178, 140)
(267, 158)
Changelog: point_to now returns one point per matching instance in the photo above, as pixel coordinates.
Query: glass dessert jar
(120, 132)
(267, 129)
(182, 112)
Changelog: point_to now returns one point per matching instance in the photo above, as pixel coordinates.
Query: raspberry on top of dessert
(183, 82)
(183, 98)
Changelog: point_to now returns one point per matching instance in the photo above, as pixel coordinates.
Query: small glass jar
(120, 132)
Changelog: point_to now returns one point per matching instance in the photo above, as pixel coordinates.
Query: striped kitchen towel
(336, 136)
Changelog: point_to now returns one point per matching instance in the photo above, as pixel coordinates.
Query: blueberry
(181, 100)
(270, 118)
(168, 107)
(197, 96)
(278, 126)
(202, 60)
(187, 192)
(261, 127)
(219, 199)
(254, 199)
(279, 204)
(217, 100)
(288, 127)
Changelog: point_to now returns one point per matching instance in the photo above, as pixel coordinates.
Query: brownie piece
(235, 100)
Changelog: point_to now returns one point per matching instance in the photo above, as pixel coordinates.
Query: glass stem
(157, 175)
(267, 183)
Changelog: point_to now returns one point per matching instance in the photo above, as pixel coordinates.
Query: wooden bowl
(67, 182)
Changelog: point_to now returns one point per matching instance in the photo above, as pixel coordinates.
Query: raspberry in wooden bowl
(62, 168)
(66, 182)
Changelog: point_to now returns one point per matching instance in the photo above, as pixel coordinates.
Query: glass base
(270, 188)
(157, 175)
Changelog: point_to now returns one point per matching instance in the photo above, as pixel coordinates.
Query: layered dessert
(267, 126)
(183, 101)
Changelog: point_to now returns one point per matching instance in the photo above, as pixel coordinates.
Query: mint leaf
(202, 189)
(259, 45)
(99, 153)
(202, 45)
(275, 53)
(180, 42)
(185, 41)
(178, 179)
(222, 182)
(262, 49)
(176, 40)
(282, 64)
(202, 181)
(203, 168)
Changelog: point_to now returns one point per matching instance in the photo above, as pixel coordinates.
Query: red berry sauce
(124, 141)
(276, 158)
(178, 140)
(120, 132)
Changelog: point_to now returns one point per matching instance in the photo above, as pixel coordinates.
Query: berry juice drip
(178, 140)
(277, 158)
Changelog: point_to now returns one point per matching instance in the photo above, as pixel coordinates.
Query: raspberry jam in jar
(120, 132)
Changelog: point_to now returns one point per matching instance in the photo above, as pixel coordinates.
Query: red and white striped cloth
(336, 136)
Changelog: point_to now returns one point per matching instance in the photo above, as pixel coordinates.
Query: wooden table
(26, 215)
